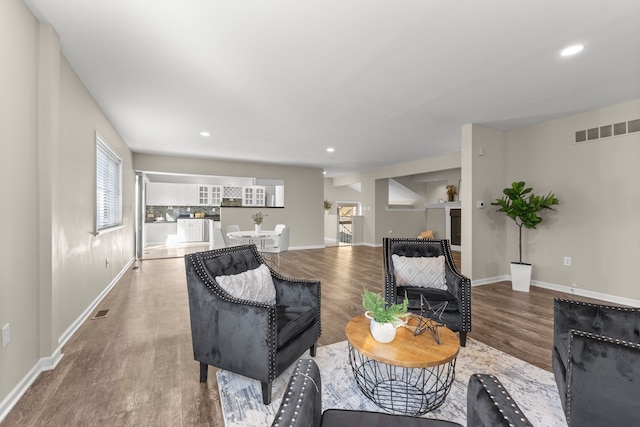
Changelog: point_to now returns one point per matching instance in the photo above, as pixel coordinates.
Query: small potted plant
(521, 205)
(327, 206)
(384, 320)
(258, 219)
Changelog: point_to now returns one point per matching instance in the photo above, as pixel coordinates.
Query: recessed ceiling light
(324, 172)
(205, 133)
(330, 150)
(572, 50)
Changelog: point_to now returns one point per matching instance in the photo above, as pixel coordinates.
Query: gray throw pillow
(253, 285)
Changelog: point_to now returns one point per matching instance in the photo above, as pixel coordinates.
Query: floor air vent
(101, 314)
(607, 131)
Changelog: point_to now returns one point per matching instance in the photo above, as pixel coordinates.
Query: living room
(55, 270)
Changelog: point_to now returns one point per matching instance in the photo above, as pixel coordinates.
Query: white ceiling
(382, 81)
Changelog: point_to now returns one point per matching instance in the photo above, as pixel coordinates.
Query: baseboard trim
(564, 289)
(300, 248)
(489, 280)
(587, 294)
(49, 363)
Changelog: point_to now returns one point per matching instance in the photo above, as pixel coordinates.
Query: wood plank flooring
(135, 367)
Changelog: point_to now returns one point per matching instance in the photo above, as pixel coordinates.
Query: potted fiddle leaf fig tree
(521, 205)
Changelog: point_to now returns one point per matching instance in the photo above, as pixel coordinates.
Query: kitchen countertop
(213, 217)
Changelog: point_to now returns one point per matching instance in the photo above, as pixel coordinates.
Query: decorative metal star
(430, 322)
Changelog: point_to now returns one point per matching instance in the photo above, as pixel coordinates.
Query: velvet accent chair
(596, 363)
(254, 339)
(488, 404)
(457, 315)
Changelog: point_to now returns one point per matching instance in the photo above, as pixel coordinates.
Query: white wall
(596, 222)
(19, 189)
(483, 177)
(52, 267)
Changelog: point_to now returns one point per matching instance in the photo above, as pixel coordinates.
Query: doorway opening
(346, 211)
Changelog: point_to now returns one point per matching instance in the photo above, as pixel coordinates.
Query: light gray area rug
(533, 388)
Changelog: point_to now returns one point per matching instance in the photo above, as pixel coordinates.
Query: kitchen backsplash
(172, 213)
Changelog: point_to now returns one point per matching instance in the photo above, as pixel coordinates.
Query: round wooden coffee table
(410, 375)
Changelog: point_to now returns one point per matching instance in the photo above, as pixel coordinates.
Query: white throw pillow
(254, 285)
(426, 272)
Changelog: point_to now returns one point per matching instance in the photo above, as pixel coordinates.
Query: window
(108, 187)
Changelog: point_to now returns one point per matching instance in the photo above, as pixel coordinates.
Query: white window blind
(108, 186)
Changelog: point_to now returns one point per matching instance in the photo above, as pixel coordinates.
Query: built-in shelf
(444, 205)
(407, 209)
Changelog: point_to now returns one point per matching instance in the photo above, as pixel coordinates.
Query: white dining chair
(281, 246)
(217, 239)
(274, 242)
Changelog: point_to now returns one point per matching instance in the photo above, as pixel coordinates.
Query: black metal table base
(409, 391)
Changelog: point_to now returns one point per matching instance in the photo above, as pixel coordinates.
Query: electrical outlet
(567, 261)
(390, 232)
(6, 335)
(574, 285)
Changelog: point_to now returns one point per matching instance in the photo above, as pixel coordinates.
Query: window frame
(101, 225)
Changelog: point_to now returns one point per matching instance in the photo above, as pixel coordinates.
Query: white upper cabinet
(204, 195)
(253, 195)
(216, 195)
(161, 194)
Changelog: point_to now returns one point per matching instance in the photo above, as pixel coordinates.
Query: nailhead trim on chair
(197, 260)
(574, 332)
(588, 304)
(481, 378)
(298, 375)
(445, 249)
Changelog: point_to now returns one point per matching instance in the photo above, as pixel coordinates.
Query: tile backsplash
(174, 212)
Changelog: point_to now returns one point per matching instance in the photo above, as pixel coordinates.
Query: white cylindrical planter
(258, 228)
(381, 332)
(520, 276)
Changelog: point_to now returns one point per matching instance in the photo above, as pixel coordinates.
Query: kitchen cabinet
(216, 195)
(203, 195)
(187, 195)
(190, 230)
(253, 195)
(161, 194)
(157, 233)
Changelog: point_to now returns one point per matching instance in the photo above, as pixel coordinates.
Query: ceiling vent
(607, 131)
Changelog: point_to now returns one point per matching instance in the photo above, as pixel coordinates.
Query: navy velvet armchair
(256, 339)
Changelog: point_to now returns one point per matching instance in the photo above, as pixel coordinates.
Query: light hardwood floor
(135, 367)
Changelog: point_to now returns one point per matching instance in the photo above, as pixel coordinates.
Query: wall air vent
(620, 128)
(101, 314)
(607, 131)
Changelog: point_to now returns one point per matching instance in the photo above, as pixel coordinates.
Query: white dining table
(252, 235)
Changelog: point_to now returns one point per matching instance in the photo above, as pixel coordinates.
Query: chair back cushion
(253, 285)
(234, 260)
(425, 272)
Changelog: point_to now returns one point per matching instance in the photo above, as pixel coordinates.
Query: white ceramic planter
(258, 228)
(381, 332)
(520, 276)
